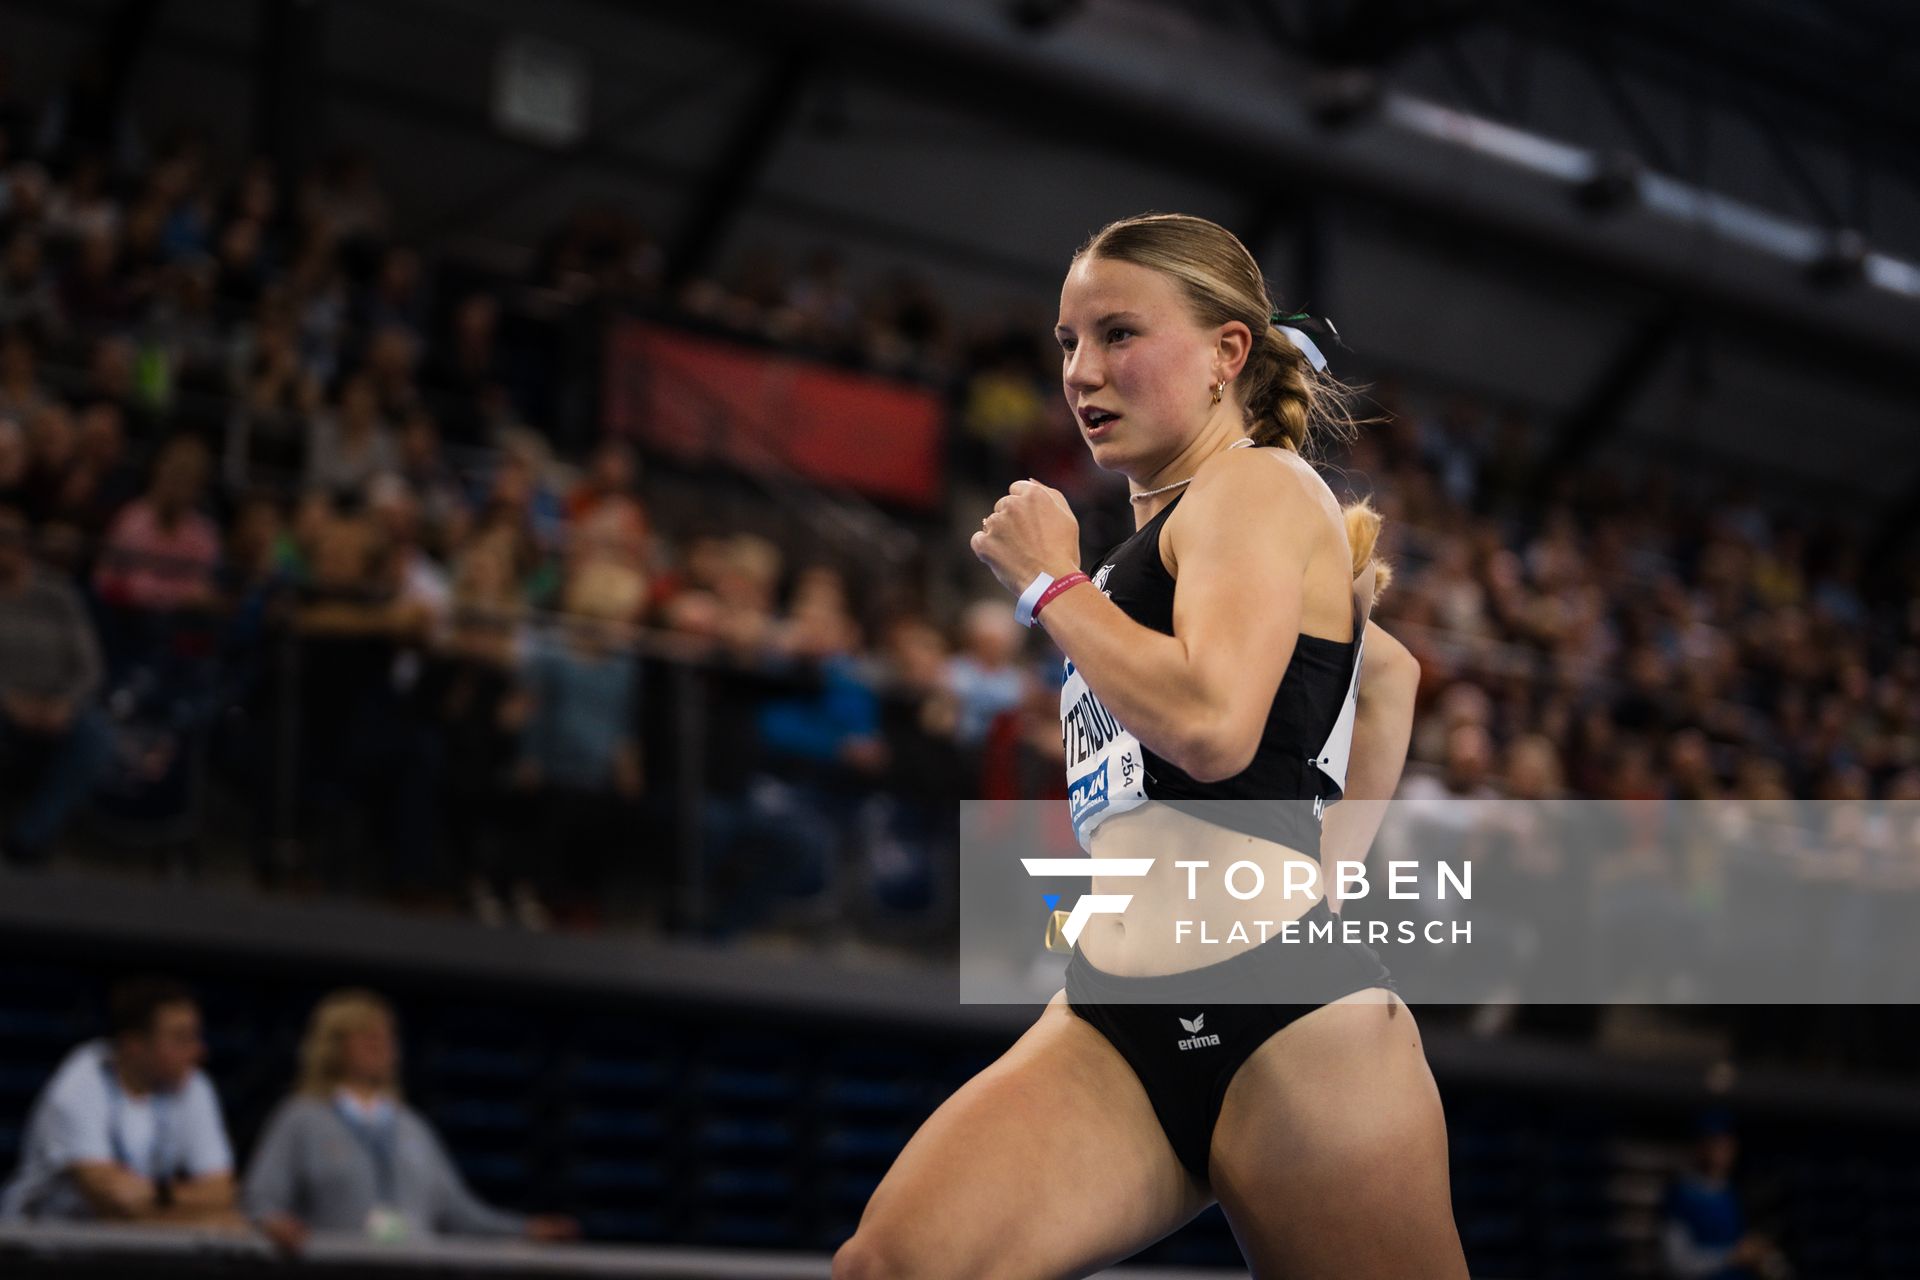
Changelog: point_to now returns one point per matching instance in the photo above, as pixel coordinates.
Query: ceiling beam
(717, 203)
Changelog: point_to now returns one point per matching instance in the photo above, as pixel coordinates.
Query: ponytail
(1290, 404)
(1363, 537)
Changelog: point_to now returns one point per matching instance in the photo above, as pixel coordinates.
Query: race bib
(1106, 766)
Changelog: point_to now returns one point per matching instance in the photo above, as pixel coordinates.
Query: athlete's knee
(879, 1254)
(869, 1255)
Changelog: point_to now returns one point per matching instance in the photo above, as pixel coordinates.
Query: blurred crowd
(295, 513)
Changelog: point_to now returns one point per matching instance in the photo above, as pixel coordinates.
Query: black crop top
(1302, 754)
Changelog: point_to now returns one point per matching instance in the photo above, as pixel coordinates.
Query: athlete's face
(1130, 346)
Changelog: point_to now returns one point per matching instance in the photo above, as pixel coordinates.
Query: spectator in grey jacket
(49, 672)
(346, 1154)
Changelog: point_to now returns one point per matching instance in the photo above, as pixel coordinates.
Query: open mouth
(1097, 421)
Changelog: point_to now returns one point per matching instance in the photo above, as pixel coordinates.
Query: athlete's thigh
(1048, 1163)
(1330, 1156)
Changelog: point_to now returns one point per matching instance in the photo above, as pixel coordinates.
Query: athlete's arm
(1199, 697)
(1382, 729)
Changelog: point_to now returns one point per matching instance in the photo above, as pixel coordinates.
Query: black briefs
(1186, 1034)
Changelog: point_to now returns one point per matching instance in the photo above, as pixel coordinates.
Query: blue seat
(606, 1124)
(493, 1168)
(863, 1094)
(864, 1142)
(743, 1229)
(852, 1189)
(746, 1182)
(623, 1224)
(482, 1115)
(633, 1075)
(727, 1133)
(507, 1066)
(749, 1084)
(624, 1176)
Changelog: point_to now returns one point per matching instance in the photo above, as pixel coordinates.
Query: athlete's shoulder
(1259, 479)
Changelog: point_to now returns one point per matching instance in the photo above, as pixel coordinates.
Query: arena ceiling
(1659, 225)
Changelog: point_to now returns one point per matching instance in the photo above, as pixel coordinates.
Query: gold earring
(1219, 389)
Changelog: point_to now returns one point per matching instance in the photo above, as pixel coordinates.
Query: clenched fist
(1030, 531)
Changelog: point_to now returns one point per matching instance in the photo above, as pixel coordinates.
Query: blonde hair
(323, 1048)
(1363, 539)
(1288, 403)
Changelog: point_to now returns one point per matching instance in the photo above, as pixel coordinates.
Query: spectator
(744, 572)
(267, 431)
(423, 465)
(418, 580)
(49, 671)
(54, 444)
(115, 375)
(240, 266)
(368, 779)
(392, 355)
(27, 295)
(472, 687)
(129, 1128)
(1703, 1234)
(820, 743)
(21, 392)
(467, 376)
(926, 777)
(101, 481)
(396, 297)
(986, 676)
(346, 1153)
(345, 198)
(96, 295)
(352, 444)
(16, 464)
(604, 510)
(519, 493)
(161, 551)
(580, 752)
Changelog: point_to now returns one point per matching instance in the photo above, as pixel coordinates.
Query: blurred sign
(708, 400)
(540, 92)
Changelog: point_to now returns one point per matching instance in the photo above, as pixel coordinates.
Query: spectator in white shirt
(129, 1128)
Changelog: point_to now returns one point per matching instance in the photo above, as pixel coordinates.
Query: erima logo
(1100, 578)
(1196, 1040)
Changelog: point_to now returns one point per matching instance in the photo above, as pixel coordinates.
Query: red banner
(709, 400)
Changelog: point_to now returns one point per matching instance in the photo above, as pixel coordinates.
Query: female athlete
(1218, 647)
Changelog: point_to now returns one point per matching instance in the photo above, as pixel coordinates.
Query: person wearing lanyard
(129, 1128)
(346, 1154)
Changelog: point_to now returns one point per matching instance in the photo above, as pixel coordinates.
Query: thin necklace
(1245, 443)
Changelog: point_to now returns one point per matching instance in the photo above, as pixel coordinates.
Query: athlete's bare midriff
(1146, 941)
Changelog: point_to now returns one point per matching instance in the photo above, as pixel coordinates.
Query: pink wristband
(1056, 587)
